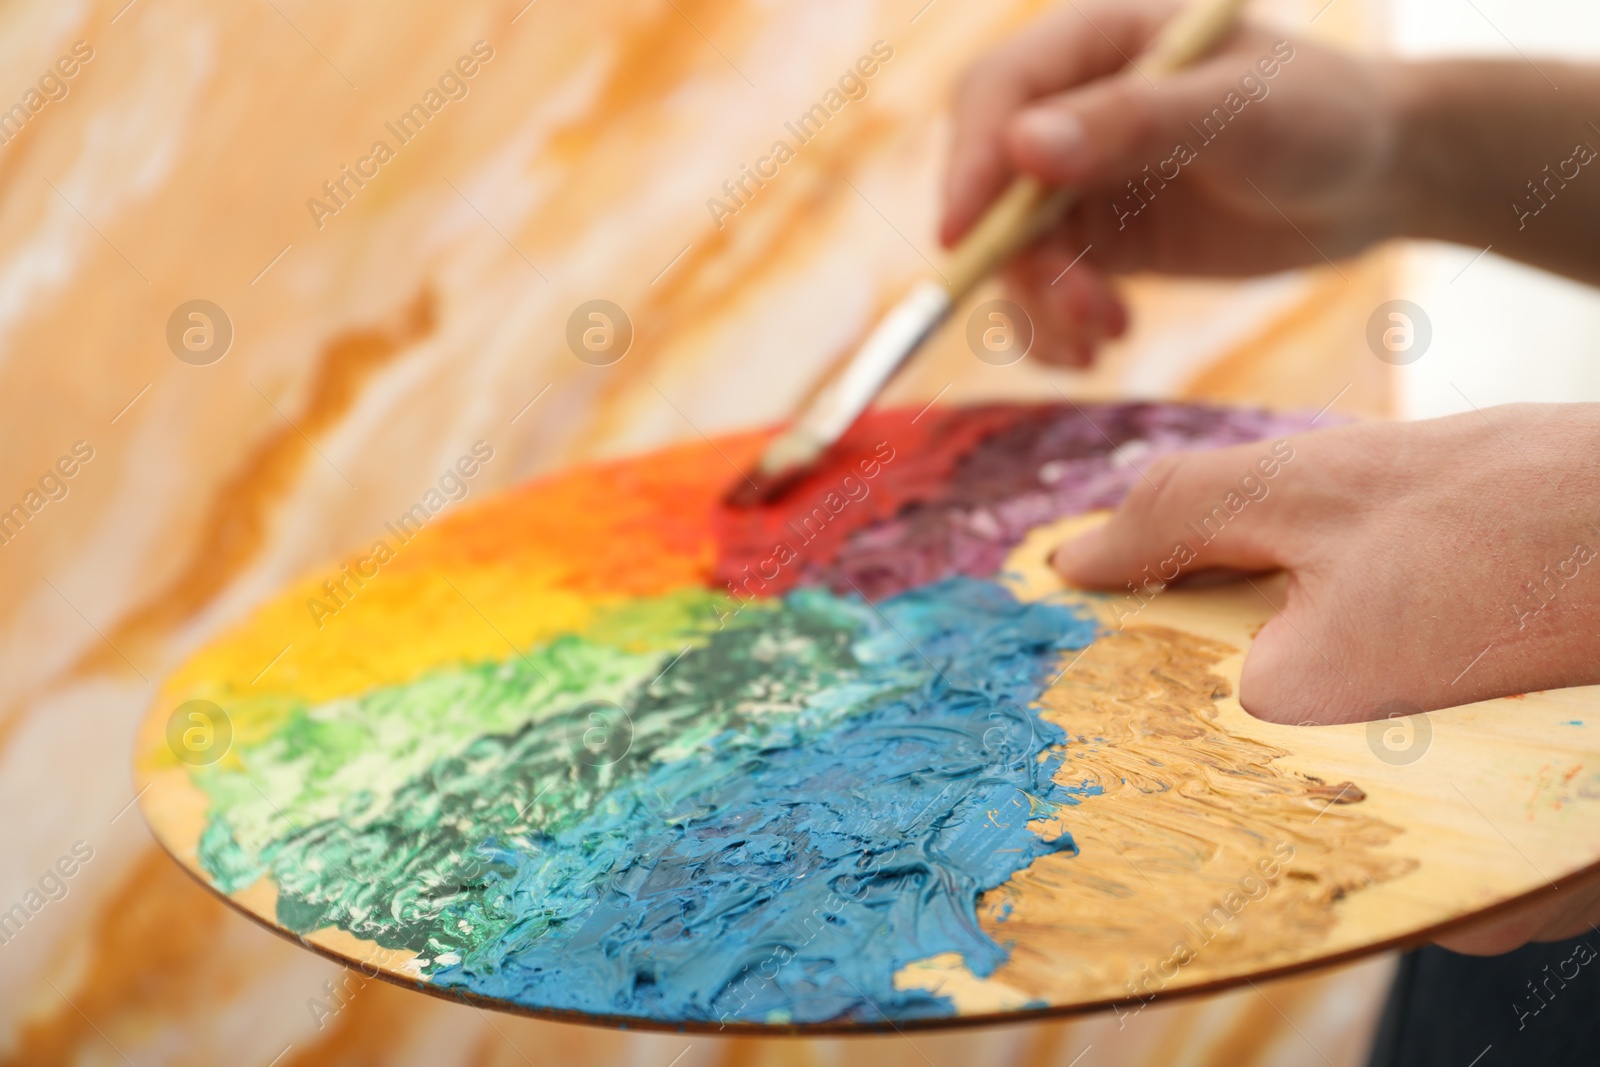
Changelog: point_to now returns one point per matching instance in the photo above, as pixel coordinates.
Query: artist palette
(604, 749)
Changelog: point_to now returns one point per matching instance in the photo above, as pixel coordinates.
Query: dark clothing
(1538, 1006)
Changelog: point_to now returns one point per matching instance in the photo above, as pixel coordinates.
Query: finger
(1073, 306)
(1297, 672)
(1107, 131)
(1098, 227)
(1061, 329)
(1080, 286)
(1053, 337)
(1064, 48)
(1571, 911)
(1187, 512)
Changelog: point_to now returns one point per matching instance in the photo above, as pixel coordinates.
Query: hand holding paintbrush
(1019, 216)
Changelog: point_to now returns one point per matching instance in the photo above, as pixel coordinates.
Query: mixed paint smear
(964, 487)
(748, 780)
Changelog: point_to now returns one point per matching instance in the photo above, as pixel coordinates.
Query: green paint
(387, 797)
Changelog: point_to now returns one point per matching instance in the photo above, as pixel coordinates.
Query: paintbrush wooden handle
(1024, 211)
(1028, 207)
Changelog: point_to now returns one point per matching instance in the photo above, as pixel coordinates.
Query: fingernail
(1056, 137)
(1080, 548)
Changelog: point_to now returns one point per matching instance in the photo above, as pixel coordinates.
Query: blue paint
(786, 868)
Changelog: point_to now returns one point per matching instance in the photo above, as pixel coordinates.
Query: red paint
(887, 462)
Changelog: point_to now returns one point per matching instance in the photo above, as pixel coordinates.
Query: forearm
(1488, 152)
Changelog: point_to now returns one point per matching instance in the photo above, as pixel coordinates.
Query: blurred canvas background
(1507, 333)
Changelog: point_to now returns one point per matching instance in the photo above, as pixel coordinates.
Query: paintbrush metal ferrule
(840, 402)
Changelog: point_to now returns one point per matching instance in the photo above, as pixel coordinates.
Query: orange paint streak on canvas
(151, 954)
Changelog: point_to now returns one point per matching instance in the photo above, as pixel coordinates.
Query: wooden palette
(1211, 848)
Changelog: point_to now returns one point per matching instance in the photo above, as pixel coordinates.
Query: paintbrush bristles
(786, 459)
(851, 390)
(794, 449)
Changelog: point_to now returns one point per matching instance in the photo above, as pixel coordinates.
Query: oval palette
(602, 748)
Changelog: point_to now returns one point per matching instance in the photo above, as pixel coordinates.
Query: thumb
(1187, 512)
(1105, 131)
(1292, 673)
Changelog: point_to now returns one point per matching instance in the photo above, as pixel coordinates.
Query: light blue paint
(786, 869)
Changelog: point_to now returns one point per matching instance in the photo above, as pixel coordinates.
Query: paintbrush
(1023, 212)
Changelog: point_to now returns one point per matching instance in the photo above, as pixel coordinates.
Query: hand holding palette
(603, 748)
